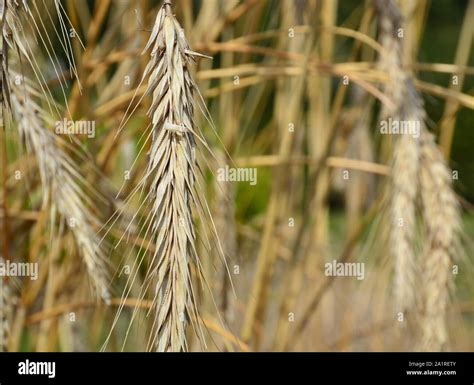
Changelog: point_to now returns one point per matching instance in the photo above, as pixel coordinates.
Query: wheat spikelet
(405, 162)
(442, 217)
(172, 169)
(61, 181)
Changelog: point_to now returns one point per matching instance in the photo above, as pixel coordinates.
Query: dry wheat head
(172, 172)
(420, 170)
(405, 164)
(442, 217)
(61, 181)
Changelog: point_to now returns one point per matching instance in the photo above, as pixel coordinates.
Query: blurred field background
(277, 93)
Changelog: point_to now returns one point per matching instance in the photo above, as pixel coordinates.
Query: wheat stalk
(61, 180)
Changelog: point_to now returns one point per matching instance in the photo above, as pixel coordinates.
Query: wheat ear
(405, 164)
(442, 215)
(419, 167)
(61, 180)
(172, 169)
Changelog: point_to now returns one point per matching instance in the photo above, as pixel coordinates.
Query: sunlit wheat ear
(405, 165)
(171, 176)
(442, 216)
(61, 180)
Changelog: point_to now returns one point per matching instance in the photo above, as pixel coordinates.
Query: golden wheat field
(236, 175)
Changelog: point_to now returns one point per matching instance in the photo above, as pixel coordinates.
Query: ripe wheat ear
(172, 172)
(419, 169)
(405, 164)
(442, 216)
